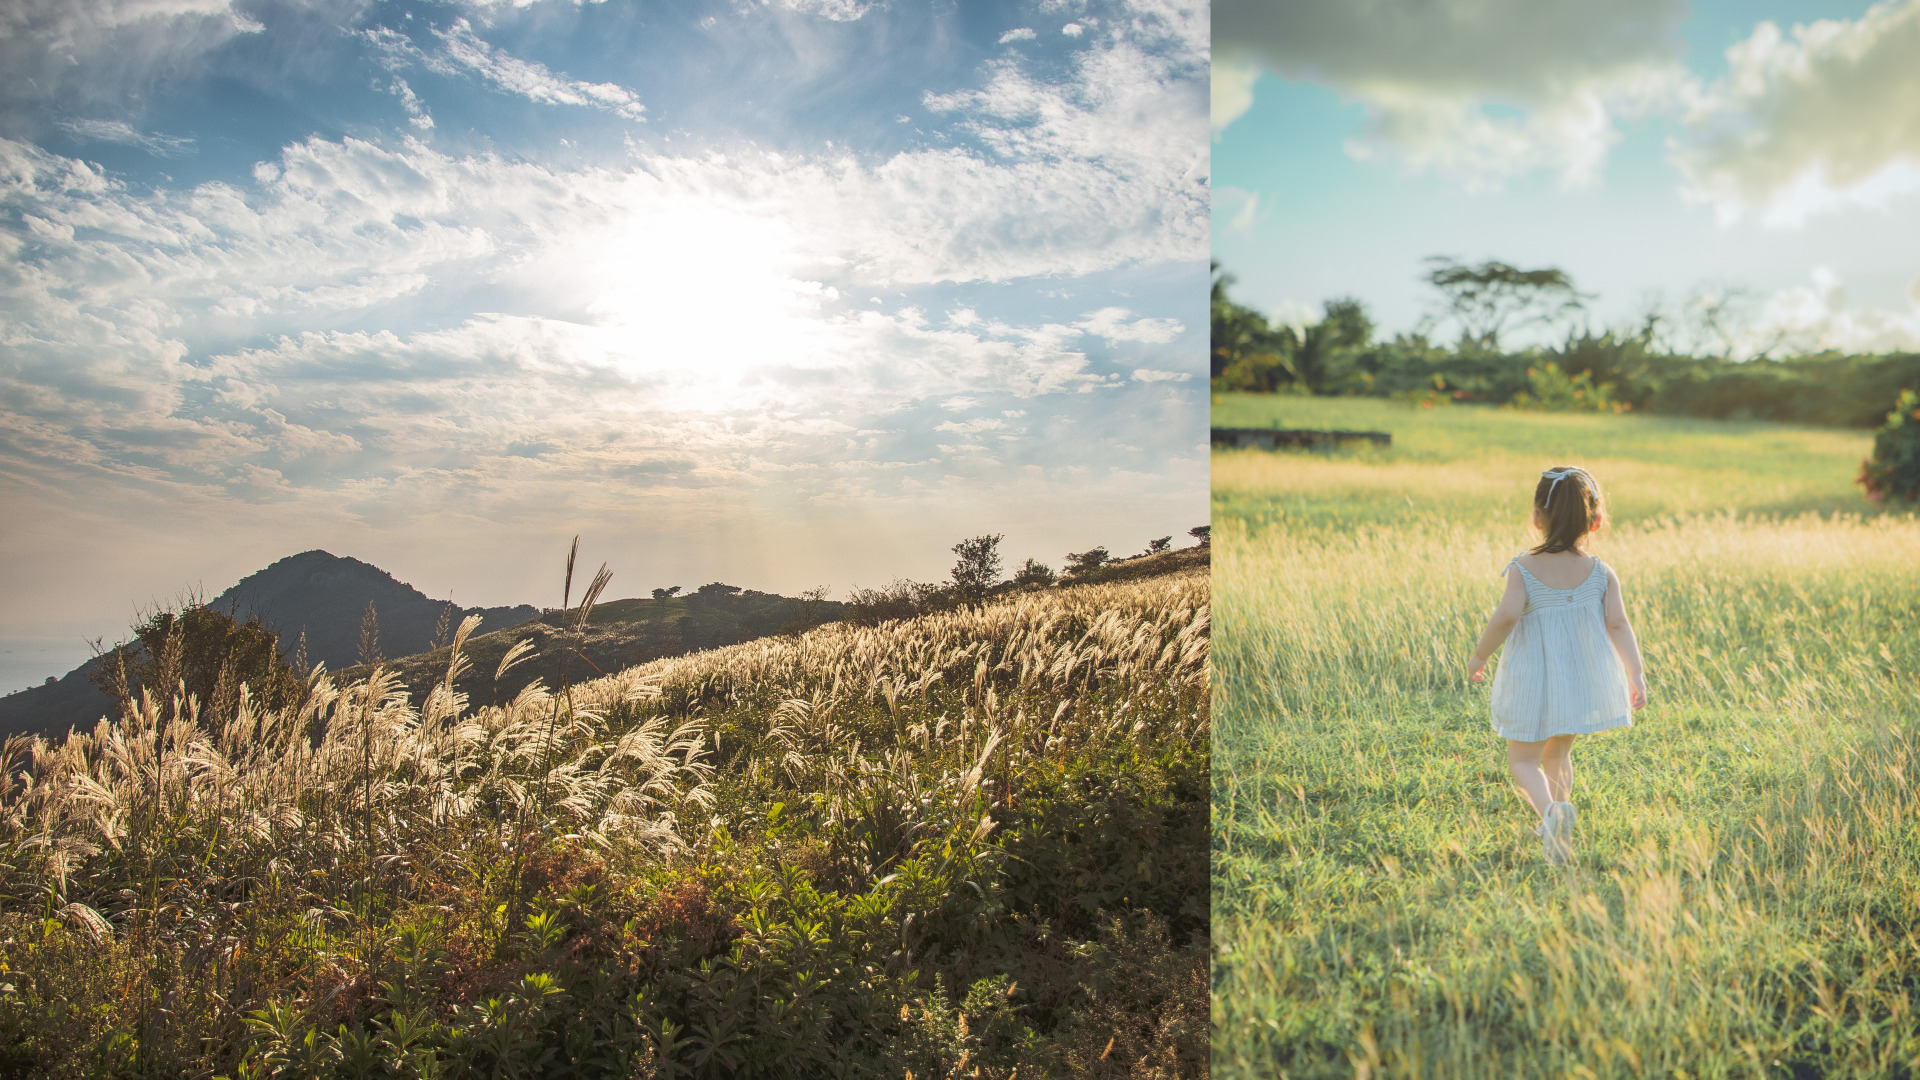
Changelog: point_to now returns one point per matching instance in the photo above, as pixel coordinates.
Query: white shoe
(1556, 832)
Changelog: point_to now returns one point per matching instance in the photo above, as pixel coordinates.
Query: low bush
(1894, 468)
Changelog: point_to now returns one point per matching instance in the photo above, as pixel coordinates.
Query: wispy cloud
(629, 262)
(834, 10)
(119, 131)
(1819, 316)
(525, 78)
(99, 55)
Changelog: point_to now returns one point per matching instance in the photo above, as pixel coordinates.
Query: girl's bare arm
(1512, 604)
(1620, 632)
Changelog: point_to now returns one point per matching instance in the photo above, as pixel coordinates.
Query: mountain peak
(326, 595)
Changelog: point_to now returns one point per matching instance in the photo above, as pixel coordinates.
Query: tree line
(1676, 363)
(979, 573)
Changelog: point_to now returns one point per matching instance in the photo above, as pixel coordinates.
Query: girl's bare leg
(1557, 763)
(1523, 758)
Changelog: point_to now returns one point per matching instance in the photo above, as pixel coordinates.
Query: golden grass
(1745, 892)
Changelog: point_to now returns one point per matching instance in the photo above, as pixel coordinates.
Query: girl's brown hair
(1571, 508)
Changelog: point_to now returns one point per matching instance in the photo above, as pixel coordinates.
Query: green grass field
(1747, 885)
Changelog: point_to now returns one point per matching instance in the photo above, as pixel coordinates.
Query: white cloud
(1232, 90)
(1812, 121)
(1152, 375)
(614, 343)
(106, 53)
(417, 114)
(113, 288)
(1472, 90)
(1024, 33)
(1104, 168)
(1242, 208)
(119, 131)
(1073, 29)
(970, 427)
(1113, 324)
(833, 10)
(1117, 151)
(527, 79)
(1818, 316)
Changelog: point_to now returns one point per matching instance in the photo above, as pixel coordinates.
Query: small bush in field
(1549, 389)
(1034, 572)
(1894, 468)
(211, 653)
(898, 599)
(1080, 562)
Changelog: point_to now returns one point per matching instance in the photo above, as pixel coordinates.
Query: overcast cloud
(1473, 90)
(1806, 141)
(1810, 120)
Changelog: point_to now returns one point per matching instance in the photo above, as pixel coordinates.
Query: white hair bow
(1561, 474)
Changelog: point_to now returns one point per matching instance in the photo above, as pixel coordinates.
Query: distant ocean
(26, 662)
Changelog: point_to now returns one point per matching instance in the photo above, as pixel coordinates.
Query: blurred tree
(1155, 547)
(1488, 299)
(1327, 359)
(1247, 353)
(1202, 534)
(665, 594)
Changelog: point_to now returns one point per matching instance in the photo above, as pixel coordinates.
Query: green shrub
(212, 654)
(1894, 468)
(1550, 389)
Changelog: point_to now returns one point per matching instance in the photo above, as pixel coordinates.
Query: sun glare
(704, 296)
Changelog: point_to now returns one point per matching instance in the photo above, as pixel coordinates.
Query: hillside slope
(619, 634)
(315, 593)
(970, 843)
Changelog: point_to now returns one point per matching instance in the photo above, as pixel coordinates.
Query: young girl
(1572, 666)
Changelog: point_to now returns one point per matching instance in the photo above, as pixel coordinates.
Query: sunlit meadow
(1746, 885)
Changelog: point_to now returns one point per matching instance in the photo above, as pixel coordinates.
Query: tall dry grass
(212, 886)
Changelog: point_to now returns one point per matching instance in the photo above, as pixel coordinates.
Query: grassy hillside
(1747, 879)
(967, 842)
(623, 633)
(619, 634)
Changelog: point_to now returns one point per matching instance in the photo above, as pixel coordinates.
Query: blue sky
(1664, 154)
(776, 292)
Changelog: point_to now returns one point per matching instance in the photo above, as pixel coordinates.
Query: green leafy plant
(1550, 389)
(1893, 470)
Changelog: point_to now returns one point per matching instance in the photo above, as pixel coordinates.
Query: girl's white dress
(1558, 673)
